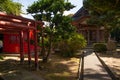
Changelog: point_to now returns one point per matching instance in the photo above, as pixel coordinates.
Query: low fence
(81, 67)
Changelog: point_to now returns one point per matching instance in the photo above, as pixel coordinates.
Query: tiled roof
(80, 13)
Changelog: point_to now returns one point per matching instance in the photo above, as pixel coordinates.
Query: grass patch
(58, 76)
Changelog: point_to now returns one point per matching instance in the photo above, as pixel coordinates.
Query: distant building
(91, 33)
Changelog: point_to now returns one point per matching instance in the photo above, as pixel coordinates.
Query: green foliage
(45, 43)
(115, 34)
(104, 13)
(69, 47)
(10, 7)
(47, 9)
(52, 11)
(104, 10)
(1, 58)
(64, 30)
(102, 5)
(100, 47)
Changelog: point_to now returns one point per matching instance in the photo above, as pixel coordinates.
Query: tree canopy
(10, 7)
(104, 13)
(52, 11)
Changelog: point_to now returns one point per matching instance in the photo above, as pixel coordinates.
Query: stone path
(93, 69)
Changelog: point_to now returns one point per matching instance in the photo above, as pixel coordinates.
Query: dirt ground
(59, 68)
(113, 62)
(56, 69)
(11, 69)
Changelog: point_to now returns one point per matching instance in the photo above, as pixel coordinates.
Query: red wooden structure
(11, 43)
(18, 33)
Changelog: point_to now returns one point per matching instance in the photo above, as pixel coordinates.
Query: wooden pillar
(35, 50)
(29, 54)
(98, 35)
(21, 47)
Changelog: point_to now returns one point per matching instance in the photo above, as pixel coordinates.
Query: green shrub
(100, 47)
(45, 42)
(70, 46)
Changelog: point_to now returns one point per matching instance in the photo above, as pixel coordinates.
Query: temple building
(92, 33)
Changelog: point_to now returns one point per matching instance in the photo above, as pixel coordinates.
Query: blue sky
(26, 3)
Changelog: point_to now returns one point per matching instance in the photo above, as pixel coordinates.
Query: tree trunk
(45, 59)
(43, 46)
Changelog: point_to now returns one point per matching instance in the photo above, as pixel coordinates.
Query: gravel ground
(113, 61)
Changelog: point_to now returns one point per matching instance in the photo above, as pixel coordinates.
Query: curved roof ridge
(80, 13)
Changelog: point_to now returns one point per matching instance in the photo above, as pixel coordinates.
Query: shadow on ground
(113, 63)
(91, 74)
(55, 69)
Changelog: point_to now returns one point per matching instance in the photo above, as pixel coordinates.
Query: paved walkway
(93, 69)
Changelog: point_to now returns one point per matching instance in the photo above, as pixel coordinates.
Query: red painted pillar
(21, 47)
(35, 49)
(29, 54)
